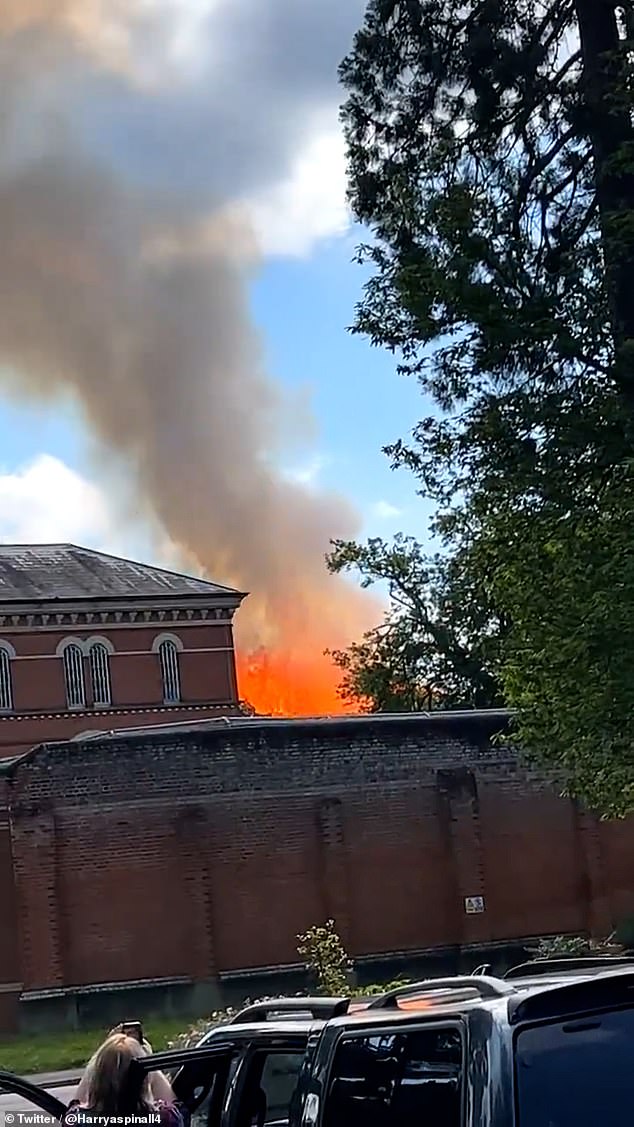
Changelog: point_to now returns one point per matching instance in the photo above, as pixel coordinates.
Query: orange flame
(287, 684)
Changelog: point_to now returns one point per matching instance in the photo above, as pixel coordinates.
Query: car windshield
(577, 1073)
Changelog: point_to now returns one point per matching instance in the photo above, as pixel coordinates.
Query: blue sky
(304, 308)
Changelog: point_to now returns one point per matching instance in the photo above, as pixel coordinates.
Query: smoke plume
(130, 136)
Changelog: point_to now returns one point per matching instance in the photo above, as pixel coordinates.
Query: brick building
(91, 641)
(178, 866)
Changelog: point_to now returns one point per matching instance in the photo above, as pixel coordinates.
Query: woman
(107, 1089)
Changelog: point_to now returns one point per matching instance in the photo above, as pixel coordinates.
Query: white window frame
(168, 648)
(7, 654)
(99, 651)
(75, 674)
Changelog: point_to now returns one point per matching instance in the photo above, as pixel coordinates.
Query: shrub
(197, 1030)
(574, 947)
(325, 958)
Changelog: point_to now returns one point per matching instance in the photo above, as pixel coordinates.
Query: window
(269, 1088)
(73, 659)
(202, 1086)
(100, 673)
(577, 1073)
(6, 689)
(398, 1080)
(168, 657)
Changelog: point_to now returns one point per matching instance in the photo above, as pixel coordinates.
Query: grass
(29, 1054)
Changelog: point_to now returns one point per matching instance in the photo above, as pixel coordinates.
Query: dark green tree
(491, 155)
(439, 644)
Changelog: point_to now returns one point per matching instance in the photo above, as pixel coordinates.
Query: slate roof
(34, 572)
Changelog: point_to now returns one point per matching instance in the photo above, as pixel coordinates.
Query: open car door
(246, 1077)
(19, 1096)
(199, 1076)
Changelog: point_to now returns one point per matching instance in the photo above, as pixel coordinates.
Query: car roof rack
(559, 966)
(482, 985)
(317, 1008)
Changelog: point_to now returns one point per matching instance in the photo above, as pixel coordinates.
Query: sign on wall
(474, 905)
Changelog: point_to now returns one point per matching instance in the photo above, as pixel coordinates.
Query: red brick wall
(206, 852)
(207, 673)
(19, 734)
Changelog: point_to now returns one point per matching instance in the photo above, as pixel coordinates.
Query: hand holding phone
(133, 1029)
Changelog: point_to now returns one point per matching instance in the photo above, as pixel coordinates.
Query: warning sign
(474, 905)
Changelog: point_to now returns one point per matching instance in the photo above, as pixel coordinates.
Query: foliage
(490, 149)
(325, 957)
(570, 662)
(438, 646)
(197, 1030)
(574, 947)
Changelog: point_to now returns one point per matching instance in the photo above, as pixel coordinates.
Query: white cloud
(385, 511)
(45, 501)
(310, 205)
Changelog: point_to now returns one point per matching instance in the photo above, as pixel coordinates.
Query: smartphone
(133, 1029)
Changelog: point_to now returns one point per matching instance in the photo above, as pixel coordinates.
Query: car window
(269, 1088)
(577, 1073)
(411, 1079)
(279, 1080)
(200, 1087)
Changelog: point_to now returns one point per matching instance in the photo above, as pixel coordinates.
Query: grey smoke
(124, 266)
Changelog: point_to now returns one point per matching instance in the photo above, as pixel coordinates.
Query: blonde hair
(108, 1085)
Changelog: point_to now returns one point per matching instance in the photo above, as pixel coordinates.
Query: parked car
(549, 1045)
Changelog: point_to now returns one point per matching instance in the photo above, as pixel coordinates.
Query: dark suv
(550, 1045)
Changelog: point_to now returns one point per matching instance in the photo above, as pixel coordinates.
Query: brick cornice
(224, 709)
(149, 616)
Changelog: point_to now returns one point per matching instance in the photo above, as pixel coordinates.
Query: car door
(266, 1080)
(394, 1076)
(200, 1076)
(19, 1098)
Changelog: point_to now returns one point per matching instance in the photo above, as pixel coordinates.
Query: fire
(290, 684)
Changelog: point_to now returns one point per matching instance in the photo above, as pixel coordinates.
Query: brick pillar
(193, 834)
(333, 875)
(597, 914)
(460, 812)
(452, 902)
(9, 964)
(33, 835)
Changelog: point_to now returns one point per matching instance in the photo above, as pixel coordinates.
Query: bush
(197, 1030)
(379, 988)
(574, 947)
(326, 959)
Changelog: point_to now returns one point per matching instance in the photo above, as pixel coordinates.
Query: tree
(438, 645)
(325, 957)
(491, 155)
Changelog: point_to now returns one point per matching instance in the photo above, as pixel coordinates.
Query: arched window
(73, 659)
(6, 687)
(99, 658)
(168, 657)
